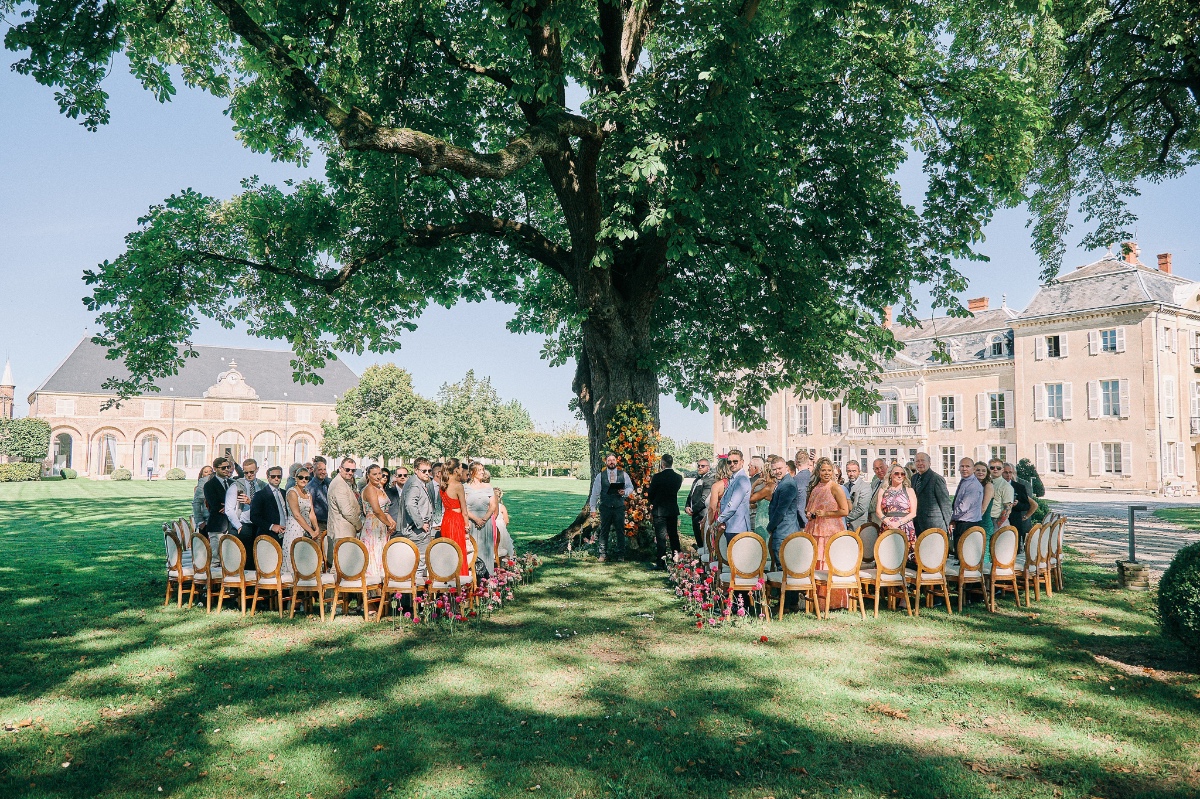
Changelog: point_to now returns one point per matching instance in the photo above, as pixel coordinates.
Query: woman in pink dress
(896, 504)
(826, 509)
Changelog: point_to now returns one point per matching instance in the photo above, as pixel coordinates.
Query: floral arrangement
(461, 606)
(699, 586)
(633, 437)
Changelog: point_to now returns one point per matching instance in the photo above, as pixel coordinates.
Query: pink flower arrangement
(697, 586)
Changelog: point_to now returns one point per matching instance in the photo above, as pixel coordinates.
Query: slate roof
(968, 339)
(268, 372)
(1109, 282)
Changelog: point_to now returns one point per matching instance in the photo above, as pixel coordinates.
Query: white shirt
(235, 516)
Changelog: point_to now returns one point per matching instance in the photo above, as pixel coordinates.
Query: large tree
(472, 421)
(382, 417)
(719, 217)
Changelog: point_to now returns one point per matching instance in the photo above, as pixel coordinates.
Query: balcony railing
(1195, 420)
(884, 431)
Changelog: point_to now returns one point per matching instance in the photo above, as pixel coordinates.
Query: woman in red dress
(454, 526)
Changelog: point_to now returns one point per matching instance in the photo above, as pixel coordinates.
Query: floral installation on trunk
(699, 586)
(633, 438)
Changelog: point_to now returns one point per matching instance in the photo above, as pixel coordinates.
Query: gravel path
(1100, 531)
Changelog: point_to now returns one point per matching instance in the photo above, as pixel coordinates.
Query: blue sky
(68, 197)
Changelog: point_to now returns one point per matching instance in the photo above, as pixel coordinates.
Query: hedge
(69, 474)
(27, 439)
(176, 474)
(121, 474)
(19, 472)
(1179, 598)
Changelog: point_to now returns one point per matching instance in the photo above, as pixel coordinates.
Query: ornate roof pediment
(231, 385)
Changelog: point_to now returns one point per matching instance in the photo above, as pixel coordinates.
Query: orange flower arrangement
(633, 437)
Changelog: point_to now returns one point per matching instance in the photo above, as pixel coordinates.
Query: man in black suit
(214, 497)
(933, 499)
(696, 504)
(664, 507)
(267, 512)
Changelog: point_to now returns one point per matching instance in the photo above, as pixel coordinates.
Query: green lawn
(1188, 516)
(590, 684)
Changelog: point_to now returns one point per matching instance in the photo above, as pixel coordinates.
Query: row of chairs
(743, 561)
(402, 560)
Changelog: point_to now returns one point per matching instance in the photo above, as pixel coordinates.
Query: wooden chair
(1044, 559)
(843, 557)
(868, 533)
(1004, 556)
(931, 549)
(443, 564)
(308, 574)
(177, 571)
(472, 580)
(797, 559)
(890, 558)
(268, 562)
(182, 533)
(1027, 562)
(1056, 551)
(723, 541)
(234, 574)
(350, 562)
(747, 554)
(401, 558)
(968, 568)
(203, 569)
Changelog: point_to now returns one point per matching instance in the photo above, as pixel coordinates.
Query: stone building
(237, 402)
(1097, 381)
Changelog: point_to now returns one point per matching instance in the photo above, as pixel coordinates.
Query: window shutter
(1175, 340)
(1181, 450)
(1169, 397)
(1069, 458)
(1124, 414)
(1010, 409)
(1168, 462)
(1120, 339)
(1043, 458)
(793, 420)
(1093, 342)
(1039, 348)
(982, 453)
(1195, 401)
(1066, 395)
(825, 418)
(1094, 449)
(959, 411)
(935, 413)
(1039, 402)
(1126, 459)
(981, 410)
(1062, 344)
(1093, 392)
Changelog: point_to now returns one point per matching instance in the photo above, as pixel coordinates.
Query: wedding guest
(377, 522)
(393, 490)
(417, 510)
(987, 518)
(761, 492)
(663, 496)
(454, 523)
(782, 520)
(879, 467)
(291, 481)
(803, 480)
(199, 509)
(214, 500)
(791, 468)
(238, 497)
(435, 498)
(826, 509)
(735, 501)
(837, 476)
(858, 494)
(318, 487)
(934, 507)
(896, 504)
(1004, 494)
(697, 499)
(504, 546)
(302, 519)
(1023, 506)
(721, 477)
(967, 509)
(267, 511)
(150, 468)
(345, 505)
(607, 502)
(480, 510)
(755, 471)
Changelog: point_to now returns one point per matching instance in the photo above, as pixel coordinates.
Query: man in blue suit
(783, 520)
(735, 502)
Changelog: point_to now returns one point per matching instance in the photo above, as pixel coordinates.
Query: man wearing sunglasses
(266, 509)
(345, 507)
(1005, 496)
(416, 515)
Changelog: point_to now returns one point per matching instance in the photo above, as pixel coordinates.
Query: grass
(591, 684)
(1188, 516)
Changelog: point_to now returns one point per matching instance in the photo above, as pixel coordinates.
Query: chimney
(887, 317)
(1130, 250)
(978, 304)
(1164, 262)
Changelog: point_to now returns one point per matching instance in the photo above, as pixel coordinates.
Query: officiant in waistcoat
(609, 490)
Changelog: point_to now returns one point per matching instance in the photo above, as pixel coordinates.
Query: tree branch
(499, 76)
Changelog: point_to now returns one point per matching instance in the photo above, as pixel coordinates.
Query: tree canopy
(472, 419)
(383, 417)
(718, 217)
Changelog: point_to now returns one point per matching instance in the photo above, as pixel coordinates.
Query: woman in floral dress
(826, 510)
(896, 504)
(377, 522)
(301, 519)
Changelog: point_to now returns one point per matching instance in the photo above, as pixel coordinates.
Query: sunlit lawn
(591, 684)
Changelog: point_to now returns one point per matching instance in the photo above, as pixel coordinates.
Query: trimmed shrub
(1043, 510)
(20, 472)
(27, 439)
(176, 474)
(121, 474)
(69, 474)
(1179, 598)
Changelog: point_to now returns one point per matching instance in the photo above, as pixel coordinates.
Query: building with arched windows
(230, 401)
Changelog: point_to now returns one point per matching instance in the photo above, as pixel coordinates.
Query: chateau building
(228, 401)
(1097, 381)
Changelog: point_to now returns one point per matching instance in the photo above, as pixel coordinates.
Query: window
(801, 420)
(835, 417)
(996, 409)
(949, 462)
(267, 450)
(193, 410)
(912, 413)
(152, 409)
(863, 457)
(1057, 458)
(1111, 452)
(912, 455)
(1108, 340)
(864, 419)
(999, 451)
(724, 423)
(233, 412)
(1110, 397)
(889, 455)
(232, 444)
(62, 452)
(1168, 398)
(1054, 400)
(997, 347)
(889, 413)
(1053, 347)
(300, 449)
(64, 407)
(304, 415)
(948, 413)
(189, 449)
(762, 411)
(836, 456)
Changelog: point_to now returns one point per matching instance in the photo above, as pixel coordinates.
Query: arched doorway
(106, 454)
(62, 452)
(232, 444)
(190, 451)
(149, 454)
(301, 449)
(267, 450)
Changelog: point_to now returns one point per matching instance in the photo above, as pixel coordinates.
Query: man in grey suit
(417, 510)
(933, 498)
(880, 469)
(858, 492)
(434, 487)
(782, 521)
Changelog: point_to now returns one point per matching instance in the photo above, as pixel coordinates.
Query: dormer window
(996, 347)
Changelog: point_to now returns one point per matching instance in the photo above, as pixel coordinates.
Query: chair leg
(192, 593)
(917, 598)
(253, 601)
(907, 606)
(960, 593)
(179, 584)
(167, 599)
(208, 596)
(862, 611)
(366, 604)
(878, 591)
